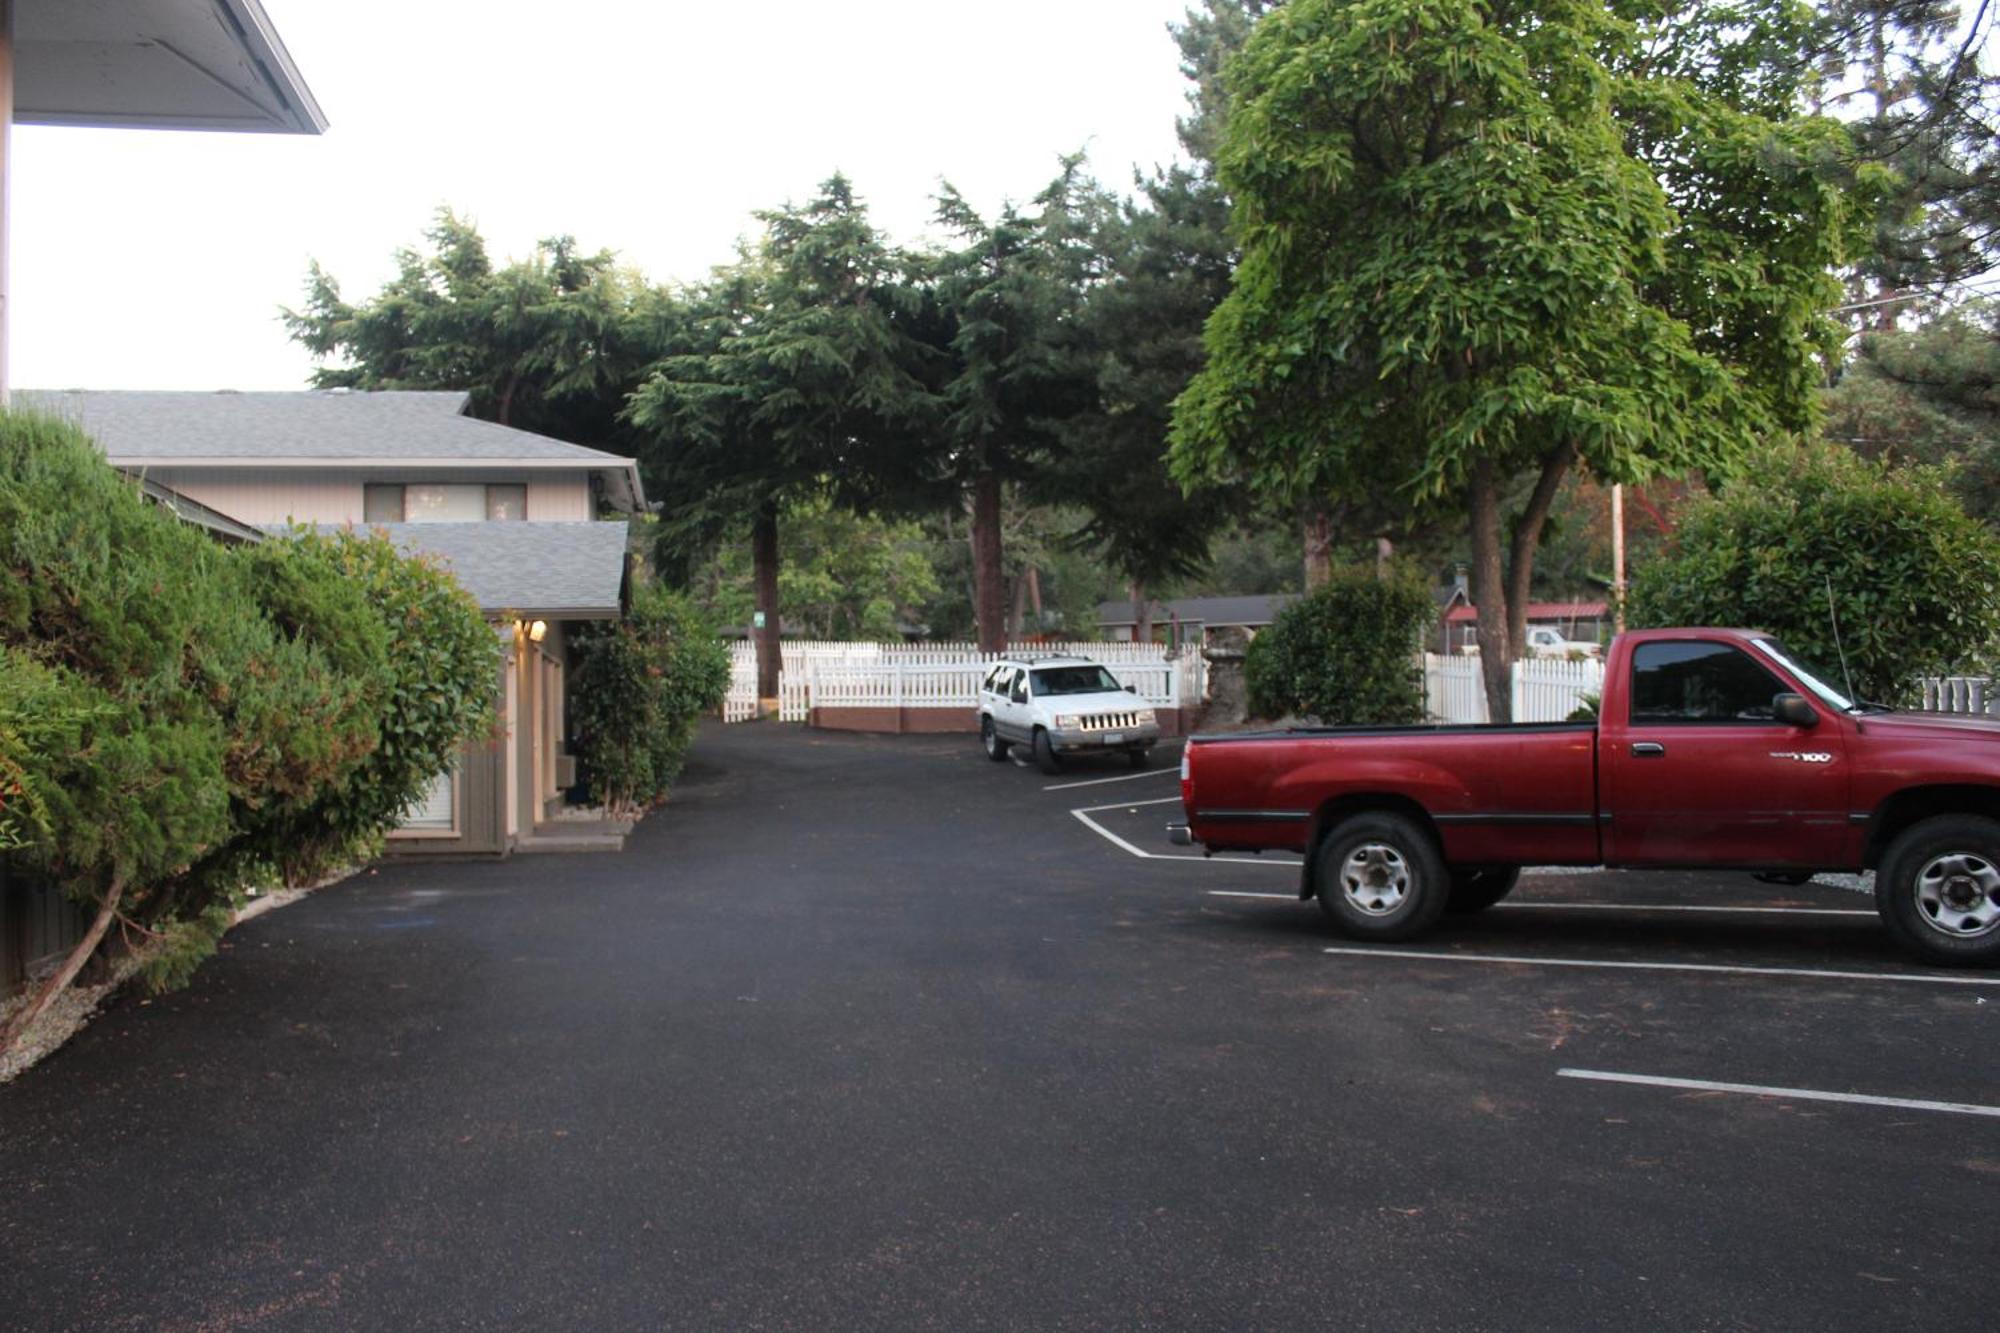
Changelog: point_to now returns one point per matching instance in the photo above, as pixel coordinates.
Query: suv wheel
(1046, 757)
(996, 749)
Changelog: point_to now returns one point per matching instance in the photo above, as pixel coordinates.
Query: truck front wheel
(1938, 890)
(1381, 877)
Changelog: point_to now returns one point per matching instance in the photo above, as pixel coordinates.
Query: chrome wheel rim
(1375, 879)
(990, 736)
(1958, 894)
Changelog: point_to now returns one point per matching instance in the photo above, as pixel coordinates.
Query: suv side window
(993, 684)
(1699, 683)
(1020, 687)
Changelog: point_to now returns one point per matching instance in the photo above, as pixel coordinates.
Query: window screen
(1700, 682)
(381, 504)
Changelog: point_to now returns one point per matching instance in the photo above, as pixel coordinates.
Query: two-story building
(517, 517)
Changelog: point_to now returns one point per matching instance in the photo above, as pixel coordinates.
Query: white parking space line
(1936, 978)
(1793, 1094)
(1604, 907)
(1123, 777)
(1087, 811)
(1690, 907)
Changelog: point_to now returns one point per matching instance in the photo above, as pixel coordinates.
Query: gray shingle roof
(570, 571)
(139, 425)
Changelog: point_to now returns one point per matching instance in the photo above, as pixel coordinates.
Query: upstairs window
(444, 502)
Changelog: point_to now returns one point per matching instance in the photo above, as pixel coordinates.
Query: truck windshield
(1809, 676)
(1074, 680)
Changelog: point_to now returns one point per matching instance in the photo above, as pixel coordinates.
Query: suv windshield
(1809, 675)
(1074, 680)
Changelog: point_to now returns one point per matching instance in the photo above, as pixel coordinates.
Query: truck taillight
(1187, 777)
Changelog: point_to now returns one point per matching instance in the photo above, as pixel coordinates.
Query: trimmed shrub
(425, 680)
(176, 717)
(1915, 580)
(1347, 653)
(640, 685)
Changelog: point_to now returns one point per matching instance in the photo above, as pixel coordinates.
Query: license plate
(1114, 738)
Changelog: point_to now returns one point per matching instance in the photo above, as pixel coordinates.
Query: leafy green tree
(843, 575)
(1914, 581)
(1484, 241)
(551, 344)
(1347, 652)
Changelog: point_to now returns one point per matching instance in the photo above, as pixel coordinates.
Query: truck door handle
(1648, 750)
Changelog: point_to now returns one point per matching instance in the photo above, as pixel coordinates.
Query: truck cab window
(1699, 682)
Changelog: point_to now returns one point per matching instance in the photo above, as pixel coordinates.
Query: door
(1702, 773)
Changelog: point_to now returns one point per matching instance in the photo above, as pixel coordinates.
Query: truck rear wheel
(1477, 890)
(1381, 877)
(1938, 890)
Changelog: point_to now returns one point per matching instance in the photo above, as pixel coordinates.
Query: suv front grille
(1110, 721)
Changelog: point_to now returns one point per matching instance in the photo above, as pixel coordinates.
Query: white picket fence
(1544, 690)
(819, 674)
(1959, 694)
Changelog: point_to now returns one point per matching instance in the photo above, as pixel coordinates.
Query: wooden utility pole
(1618, 556)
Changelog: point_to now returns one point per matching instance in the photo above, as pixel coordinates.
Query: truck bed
(1499, 794)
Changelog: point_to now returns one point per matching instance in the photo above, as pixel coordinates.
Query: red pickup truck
(1713, 748)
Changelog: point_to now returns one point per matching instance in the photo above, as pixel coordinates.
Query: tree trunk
(764, 563)
(1035, 596)
(1142, 613)
(65, 974)
(1527, 537)
(989, 582)
(1017, 616)
(1318, 538)
(1489, 593)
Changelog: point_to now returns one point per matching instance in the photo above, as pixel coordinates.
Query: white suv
(1058, 706)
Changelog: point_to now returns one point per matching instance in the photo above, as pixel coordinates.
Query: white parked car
(1546, 641)
(1062, 706)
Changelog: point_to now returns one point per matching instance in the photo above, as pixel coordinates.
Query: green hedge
(180, 717)
(1347, 653)
(639, 686)
(1915, 580)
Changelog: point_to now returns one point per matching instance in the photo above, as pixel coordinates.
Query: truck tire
(996, 749)
(1381, 877)
(1477, 890)
(1046, 757)
(1938, 890)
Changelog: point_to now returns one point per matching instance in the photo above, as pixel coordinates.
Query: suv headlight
(1069, 722)
(1148, 715)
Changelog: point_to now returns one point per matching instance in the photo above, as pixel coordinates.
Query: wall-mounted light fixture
(537, 631)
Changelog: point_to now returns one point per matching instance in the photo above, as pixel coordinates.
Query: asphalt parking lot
(872, 1032)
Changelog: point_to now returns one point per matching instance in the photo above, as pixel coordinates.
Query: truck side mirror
(1794, 711)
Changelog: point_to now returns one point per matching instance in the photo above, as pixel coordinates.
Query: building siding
(276, 496)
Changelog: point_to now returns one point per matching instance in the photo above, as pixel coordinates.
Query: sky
(157, 260)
